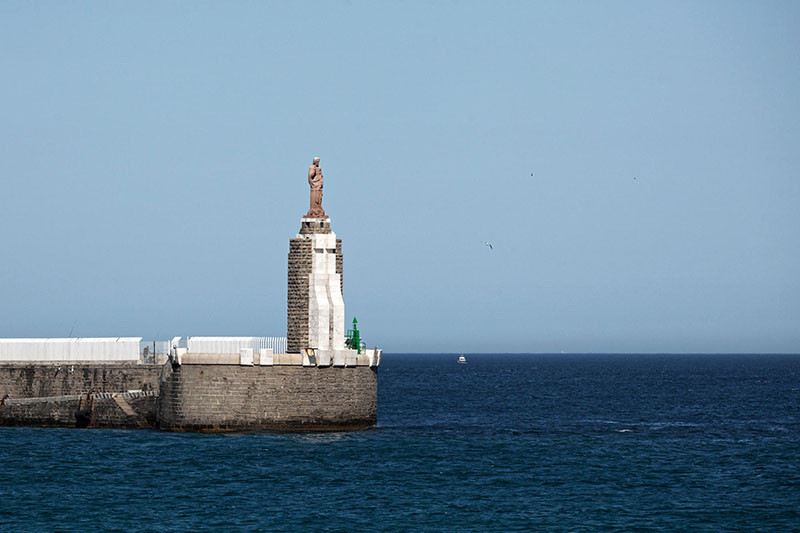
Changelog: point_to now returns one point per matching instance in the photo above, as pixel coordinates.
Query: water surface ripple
(503, 443)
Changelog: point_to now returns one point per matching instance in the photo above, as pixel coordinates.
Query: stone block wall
(193, 397)
(339, 264)
(50, 394)
(27, 380)
(280, 398)
(315, 225)
(300, 257)
(137, 410)
(54, 411)
(132, 410)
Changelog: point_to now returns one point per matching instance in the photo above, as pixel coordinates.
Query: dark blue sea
(502, 443)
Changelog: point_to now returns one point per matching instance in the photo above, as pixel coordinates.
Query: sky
(635, 166)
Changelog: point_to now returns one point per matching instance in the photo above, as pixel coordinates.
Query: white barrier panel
(235, 344)
(80, 349)
(246, 357)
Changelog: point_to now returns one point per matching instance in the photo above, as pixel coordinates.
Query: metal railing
(235, 344)
(154, 352)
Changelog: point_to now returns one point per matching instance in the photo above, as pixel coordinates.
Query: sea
(505, 442)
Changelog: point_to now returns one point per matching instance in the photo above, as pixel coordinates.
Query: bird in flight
(488, 244)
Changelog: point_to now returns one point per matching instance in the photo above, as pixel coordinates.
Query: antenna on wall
(72, 329)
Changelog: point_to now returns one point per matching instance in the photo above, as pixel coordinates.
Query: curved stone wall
(281, 398)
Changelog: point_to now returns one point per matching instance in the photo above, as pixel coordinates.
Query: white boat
(462, 359)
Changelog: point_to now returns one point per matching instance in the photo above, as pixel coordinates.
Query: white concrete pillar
(325, 303)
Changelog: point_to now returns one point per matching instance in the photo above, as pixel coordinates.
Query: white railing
(129, 349)
(235, 344)
(80, 349)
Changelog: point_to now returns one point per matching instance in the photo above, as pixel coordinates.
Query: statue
(315, 182)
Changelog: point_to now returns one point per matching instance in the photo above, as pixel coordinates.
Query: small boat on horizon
(462, 359)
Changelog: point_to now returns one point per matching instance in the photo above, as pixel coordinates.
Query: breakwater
(209, 397)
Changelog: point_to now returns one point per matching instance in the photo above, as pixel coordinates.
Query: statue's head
(316, 160)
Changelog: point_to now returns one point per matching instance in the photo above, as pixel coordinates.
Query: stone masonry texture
(191, 397)
(105, 411)
(297, 295)
(339, 264)
(51, 394)
(315, 226)
(26, 380)
(280, 398)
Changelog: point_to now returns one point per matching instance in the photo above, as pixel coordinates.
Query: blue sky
(635, 165)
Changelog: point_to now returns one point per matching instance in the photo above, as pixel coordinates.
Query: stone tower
(315, 312)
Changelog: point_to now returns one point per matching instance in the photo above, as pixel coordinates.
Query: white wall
(95, 349)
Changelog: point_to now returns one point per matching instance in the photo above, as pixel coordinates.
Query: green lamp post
(354, 337)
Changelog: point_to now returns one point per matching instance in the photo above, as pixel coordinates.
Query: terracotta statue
(315, 181)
